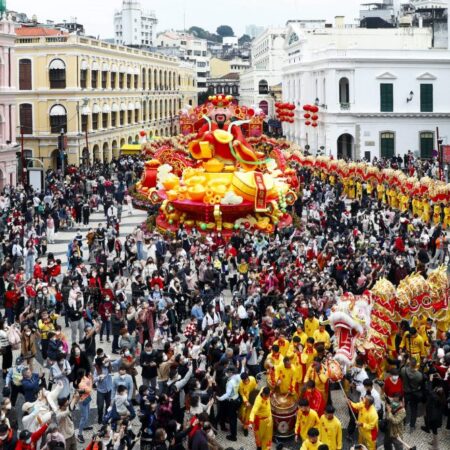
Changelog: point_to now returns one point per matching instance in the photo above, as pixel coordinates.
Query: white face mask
(210, 433)
(4, 437)
(394, 378)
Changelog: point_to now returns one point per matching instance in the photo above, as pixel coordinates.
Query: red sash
(261, 191)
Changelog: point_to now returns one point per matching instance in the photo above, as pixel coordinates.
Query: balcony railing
(345, 106)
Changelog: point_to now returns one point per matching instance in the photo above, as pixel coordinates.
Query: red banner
(446, 154)
(261, 193)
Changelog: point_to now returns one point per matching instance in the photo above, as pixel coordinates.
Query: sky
(97, 15)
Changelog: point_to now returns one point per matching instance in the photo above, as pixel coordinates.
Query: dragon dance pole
(345, 395)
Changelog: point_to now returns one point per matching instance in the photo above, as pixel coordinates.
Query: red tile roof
(39, 31)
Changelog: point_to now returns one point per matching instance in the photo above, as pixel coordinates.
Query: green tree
(244, 39)
(199, 32)
(225, 31)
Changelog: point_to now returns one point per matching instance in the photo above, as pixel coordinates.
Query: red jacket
(34, 438)
(37, 272)
(11, 299)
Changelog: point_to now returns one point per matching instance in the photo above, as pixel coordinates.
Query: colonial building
(100, 95)
(8, 124)
(227, 84)
(380, 92)
(268, 58)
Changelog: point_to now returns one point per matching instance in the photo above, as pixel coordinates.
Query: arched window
(25, 79)
(57, 74)
(263, 87)
(144, 111)
(26, 118)
(58, 119)
(144, 79)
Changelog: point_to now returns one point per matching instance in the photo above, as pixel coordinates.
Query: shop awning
(131, 149)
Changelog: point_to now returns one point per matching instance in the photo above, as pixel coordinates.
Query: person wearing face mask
(116, 325)
(393, 384)
(8, 414)
(65, 423)
(83, 385)
(395, 417)
(60, 371)
(8, 437)
(122, 379)
(28, 440)
(54, 438)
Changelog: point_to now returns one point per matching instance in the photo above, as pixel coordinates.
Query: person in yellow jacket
(446, 217)
(318, 374)
(273, 358)
(284, 376)
(414, 202)
(311, 324)
(426, 332)
(351, 189)
(412, 343)
(330, 429)
(321, 336)
(426, 211)
(283, 344)
(437, 214)
(300, 332)
(312, 442)
(359, 190)
(404, 202)
(306, 418)
(260, 420)
(367, 422)
(246, 386)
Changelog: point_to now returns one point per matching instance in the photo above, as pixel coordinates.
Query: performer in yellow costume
(283, 345)
(284, 376)
(413, 344)
(358, 190)
(446, 216)
(306, 418)
(369, 188)
(426, 210)
(313, 441)
(380, 193)
(437, 214)
(330, 429)
(367, 422)
(321, 336)
(261, 420)
(300, 332)
(351, 189)
(318, 374)
(414, 206)
(308, 354)
(311, 324)
(246, 386)
(404, 203)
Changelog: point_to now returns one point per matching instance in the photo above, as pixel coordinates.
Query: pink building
(8, 144)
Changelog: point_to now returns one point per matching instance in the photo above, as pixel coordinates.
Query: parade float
(221, 174)
(367, 323)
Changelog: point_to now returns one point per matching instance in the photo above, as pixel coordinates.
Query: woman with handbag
(5, 348)
(28, 345)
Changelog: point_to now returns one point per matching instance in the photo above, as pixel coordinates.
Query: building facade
(188, 48)
(220, 67)
(100, 95)
(8, 124)
(227, 84)
(268, 58)
(380, 92)
(133, 26)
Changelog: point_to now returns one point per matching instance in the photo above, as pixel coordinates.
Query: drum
(334, 371)
(284, 414)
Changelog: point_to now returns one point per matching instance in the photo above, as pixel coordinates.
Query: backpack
(14, 338)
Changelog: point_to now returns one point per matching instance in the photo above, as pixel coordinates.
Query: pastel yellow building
(101, 95)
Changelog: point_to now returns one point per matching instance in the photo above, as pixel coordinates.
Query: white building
(133, 26)
(254, 30)
(380, 91)
(188, 48)
(268, 58)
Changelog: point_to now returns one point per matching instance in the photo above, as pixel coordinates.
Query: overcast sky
(97, 15)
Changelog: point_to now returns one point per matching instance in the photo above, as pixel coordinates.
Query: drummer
(247, 385)
(261, 420)
(285, 376)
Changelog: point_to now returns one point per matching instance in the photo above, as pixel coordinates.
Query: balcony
(345, 106)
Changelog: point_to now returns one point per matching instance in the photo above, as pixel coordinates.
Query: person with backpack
(14, 380)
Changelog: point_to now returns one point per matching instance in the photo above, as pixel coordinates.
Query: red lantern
(308, 123)
(251, 112)
(292, 107)
(142, 133)
(306, 108)
(307, 115)
(314, 124)
(277, 104)
(314, 109)
(314, 117)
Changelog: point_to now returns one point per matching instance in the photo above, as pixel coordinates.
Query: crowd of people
(204, 330)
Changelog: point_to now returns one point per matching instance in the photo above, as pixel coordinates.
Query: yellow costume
(245, 390)
(322, 337)
(394, 199)
(302, 335)
(426, 211)
(330, 432)
(436, 214)
(273, 359)
(304, 422)
(308, 445)
(321, 380)
(311, 325)
(446, 217)
(285, 377)
(404, 202)
(308, 355)
(358, 190)
(368, 430)
(414, 206)
(380, 193)
(369, 189)
(261, 418)
(332, 180)
(283, 344)
(414, 346)
(351, 189)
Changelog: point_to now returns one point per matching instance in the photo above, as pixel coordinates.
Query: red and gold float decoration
(223, 176)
